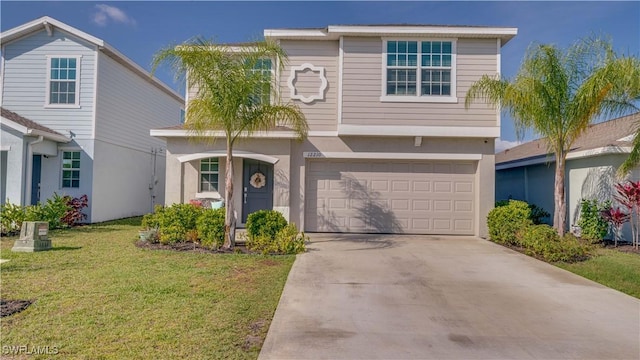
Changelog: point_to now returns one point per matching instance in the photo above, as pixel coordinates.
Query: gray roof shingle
(29, 124)
(607, 133)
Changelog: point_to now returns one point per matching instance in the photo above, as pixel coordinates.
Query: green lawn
(612, 268)
(98, 296)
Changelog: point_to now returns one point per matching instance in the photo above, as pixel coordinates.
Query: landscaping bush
(506, 221)
(74, 213)
(51, 211)
(175, 221)
(265, 223)
(287, 241)
(210, 227)
(11, 217)
(543, 241)
(537, 214)
(593, 227)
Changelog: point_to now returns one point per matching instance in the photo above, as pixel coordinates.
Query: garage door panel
(422, 197)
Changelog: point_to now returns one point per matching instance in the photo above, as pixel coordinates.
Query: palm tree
(231, 93)
(557, 94)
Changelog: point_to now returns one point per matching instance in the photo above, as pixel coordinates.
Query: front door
(257, 186)
(36, 175)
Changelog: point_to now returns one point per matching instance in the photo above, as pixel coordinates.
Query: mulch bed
(191, 247)
(10, 307)
(624, 247)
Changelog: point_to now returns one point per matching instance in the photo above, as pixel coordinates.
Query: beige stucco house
(391, 147)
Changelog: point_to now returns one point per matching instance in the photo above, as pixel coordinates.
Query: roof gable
(50, 24)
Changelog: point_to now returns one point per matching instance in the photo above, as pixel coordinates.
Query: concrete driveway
(428, 297)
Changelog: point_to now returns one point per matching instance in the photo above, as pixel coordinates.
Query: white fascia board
(391, 156)
(295, 34)
(48, 135)
(220, 134)
(15, 126)
(223, 153)
(551, 158)
(33, 132)
(505, 33)
(434, 131)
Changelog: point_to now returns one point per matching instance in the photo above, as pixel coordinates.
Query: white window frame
(72, 169)
(271, 74)
(453, 98)
(200, 173)
(47, 96)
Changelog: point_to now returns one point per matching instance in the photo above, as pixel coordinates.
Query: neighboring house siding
(362, 87)
(128, 106)
(123, 184)
(25, 77)
(51, 181)
(321, 114)
(12, 165)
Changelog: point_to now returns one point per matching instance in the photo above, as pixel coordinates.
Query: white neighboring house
(76, 115)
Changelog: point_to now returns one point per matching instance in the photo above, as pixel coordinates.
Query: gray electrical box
(34, 236)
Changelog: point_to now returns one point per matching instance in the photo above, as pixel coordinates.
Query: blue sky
(139, 29)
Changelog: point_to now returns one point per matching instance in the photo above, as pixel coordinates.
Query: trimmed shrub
(543, 241)
(287, 241)
(265, 223)
(51, 211)
(593, 227)
(537, 215)
(210, 227)
(174, 222)
(506, 221)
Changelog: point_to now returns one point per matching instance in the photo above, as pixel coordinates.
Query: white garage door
(415, 197)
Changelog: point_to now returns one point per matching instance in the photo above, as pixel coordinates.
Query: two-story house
(76, 115)
(391, 147)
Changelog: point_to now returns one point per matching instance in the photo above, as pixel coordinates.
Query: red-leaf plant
(74, 214)
(616, 217)
(628, 195)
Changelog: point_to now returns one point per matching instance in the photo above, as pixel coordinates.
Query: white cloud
(505, 144)
(106, 13)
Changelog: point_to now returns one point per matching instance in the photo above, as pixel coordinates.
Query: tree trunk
(229, 218)
(560, 210)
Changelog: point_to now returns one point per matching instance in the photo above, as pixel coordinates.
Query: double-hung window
(209, 175)
(63, 83)
(70, 169)
(262, 93)
(417, 70)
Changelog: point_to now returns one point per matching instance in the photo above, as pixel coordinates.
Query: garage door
(414, 197)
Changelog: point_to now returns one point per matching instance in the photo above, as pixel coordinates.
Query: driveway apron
(440, 297)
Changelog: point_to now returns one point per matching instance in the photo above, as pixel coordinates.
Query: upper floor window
(209, 174)
(63, 84)
(262, 93)
(419, 69)
(70, 169)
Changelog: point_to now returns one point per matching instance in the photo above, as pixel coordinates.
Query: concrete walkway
(418, 297)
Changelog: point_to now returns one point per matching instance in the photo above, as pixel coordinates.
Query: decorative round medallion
(257, 180)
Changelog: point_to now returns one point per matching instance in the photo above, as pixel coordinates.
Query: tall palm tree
(230, 92)
(557, 94)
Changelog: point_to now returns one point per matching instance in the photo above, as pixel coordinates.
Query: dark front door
(257, 186)
(36, 175)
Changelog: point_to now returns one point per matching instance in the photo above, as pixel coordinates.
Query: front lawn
(612, 268)
(98, 296)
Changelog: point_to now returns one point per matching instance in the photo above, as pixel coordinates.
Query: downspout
(29, 169)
